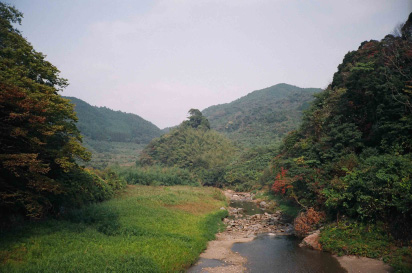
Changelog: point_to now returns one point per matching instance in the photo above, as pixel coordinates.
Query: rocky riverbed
(241, 226)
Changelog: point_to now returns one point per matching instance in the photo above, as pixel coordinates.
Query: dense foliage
(263, 116)
(104, 124)
(192, 146)
(353, 153)
(39, 139)
(245, 170)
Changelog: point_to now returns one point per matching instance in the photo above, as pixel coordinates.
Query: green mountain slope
(262, 116)
(113, 137)
(102, 123)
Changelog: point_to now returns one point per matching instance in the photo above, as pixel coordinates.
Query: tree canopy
(197, 120)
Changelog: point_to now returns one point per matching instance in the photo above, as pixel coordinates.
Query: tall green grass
(146, 229)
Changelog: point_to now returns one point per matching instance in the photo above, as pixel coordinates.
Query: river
(264, 250)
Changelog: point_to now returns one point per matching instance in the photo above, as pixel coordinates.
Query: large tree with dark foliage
(39, 139)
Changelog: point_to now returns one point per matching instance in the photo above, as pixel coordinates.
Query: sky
(160, 58)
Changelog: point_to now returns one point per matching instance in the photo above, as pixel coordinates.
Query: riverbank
(354, 264)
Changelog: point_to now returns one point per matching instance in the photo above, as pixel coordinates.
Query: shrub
(307, 221)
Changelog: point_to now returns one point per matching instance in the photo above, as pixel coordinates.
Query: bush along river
(257, 241)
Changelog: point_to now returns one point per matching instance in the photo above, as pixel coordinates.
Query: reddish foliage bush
(307, 221)
(281, 182)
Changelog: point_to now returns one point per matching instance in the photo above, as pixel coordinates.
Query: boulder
(312, 241)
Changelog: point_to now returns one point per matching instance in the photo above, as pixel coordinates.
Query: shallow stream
(282, 254)
(249, 208)
(279, 253)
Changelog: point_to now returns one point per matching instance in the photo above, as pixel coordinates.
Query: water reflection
(282, 254)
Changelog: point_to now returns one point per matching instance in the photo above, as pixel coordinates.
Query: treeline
(352, 156)
(40, 143)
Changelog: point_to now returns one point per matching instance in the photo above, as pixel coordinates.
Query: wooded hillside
(102, 123)
(353, 153)
(263, 116)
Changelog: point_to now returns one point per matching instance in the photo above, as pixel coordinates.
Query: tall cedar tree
(38, 136)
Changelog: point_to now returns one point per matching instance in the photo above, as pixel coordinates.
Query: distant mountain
(104, 124)
(262, 116)
(113, 137)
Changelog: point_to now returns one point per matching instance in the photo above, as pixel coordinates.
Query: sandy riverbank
(355, 264)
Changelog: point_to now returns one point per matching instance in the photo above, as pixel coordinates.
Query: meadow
(143, 229)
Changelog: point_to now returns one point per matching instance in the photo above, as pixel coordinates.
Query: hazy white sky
(160, 58)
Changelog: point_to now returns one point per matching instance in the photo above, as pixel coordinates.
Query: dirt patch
(193, 207)
(220, 249)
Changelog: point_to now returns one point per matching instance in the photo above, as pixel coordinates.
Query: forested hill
(352, 154)
(262, 116)
(101, 123)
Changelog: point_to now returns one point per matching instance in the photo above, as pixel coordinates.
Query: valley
(282, 179)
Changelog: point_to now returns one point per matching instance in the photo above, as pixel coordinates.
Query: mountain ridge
(262, 116)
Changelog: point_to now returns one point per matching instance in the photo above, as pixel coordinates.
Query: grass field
(144, 229)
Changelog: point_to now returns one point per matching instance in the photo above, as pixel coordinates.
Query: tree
(197, 120)
(39, 139)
